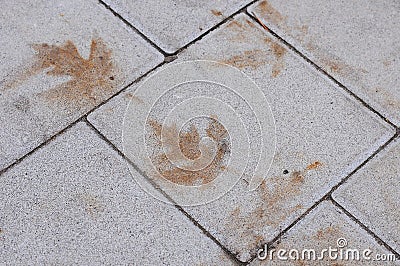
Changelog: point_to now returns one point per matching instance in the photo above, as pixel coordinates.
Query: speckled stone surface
(316, 147)
(75, 202)
(357, 42)
(373, 195)
(57, 62)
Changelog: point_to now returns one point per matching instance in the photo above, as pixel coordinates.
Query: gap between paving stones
(328, 196)
(369, 231)
(321, 70)
(169, 57)
(205, 232)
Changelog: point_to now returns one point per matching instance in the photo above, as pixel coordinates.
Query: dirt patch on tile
(189, 146)
(248, 59)
(269, 12)
(275, 206)
(92, 204)
(314, 165)
(90, 79)
(216, 12)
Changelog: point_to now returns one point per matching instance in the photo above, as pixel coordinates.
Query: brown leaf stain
(234, 24)
(248, 59)
(92, 204)
(273, 208)
(131, 96)
(90, 81)
(326, 233)
(216, 12)
(272, 14)
(279, 52)
(189, 146)
(314, 165)
(387, 97)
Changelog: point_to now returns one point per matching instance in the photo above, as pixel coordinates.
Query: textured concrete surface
(68, 194)
(357, 42)
(171, 24)
(93, 55)
(302, 104)
(322, 229)
(372, 195)
(74, 202)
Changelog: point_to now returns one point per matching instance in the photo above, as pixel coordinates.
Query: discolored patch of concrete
(326, 227)
(189, 145)
(172, 24)
(74, 202)
(372, 195)
(356, 42)
(90, 79)
(322, 135)
(56, 64)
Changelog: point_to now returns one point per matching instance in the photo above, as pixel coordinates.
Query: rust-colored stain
(131, 96)
(279, 52)
(325, 233)
(93, 206)
(250, 58)
(273, 15)
(189, 145)
(387, 97)
(90, 79)
(216, 12)
(274, 207)
(251, 24)
(313, 165)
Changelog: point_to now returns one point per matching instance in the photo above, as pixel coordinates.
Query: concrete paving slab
(327, 227)
(322, 135)
(358, 43)
(75, 202)
(172, 24)
(372, 195)
(57, 62)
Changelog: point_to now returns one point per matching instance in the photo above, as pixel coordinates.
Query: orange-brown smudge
(250, 58)
(189, 146)
(216, 12)
(267, 10)
(92, 205)
(313, 165)
(91, 79)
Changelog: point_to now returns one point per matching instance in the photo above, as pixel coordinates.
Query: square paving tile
(57, 62)
(74, 202)
(327, 227)
(322, 135)
(373, 195)
(357, 42)
(172, 24)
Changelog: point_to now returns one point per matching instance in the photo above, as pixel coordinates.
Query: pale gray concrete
(35, 105)
(74, 202)
(322, 229)
(372, 195)
(303, 105)
(171, 24)
(357, 42)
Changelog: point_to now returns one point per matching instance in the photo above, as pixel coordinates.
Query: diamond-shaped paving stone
(322, 135)
(74, 202)
(172, 24)
(321, 229)
(58, 60)
(357, 42)
(373, 195)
